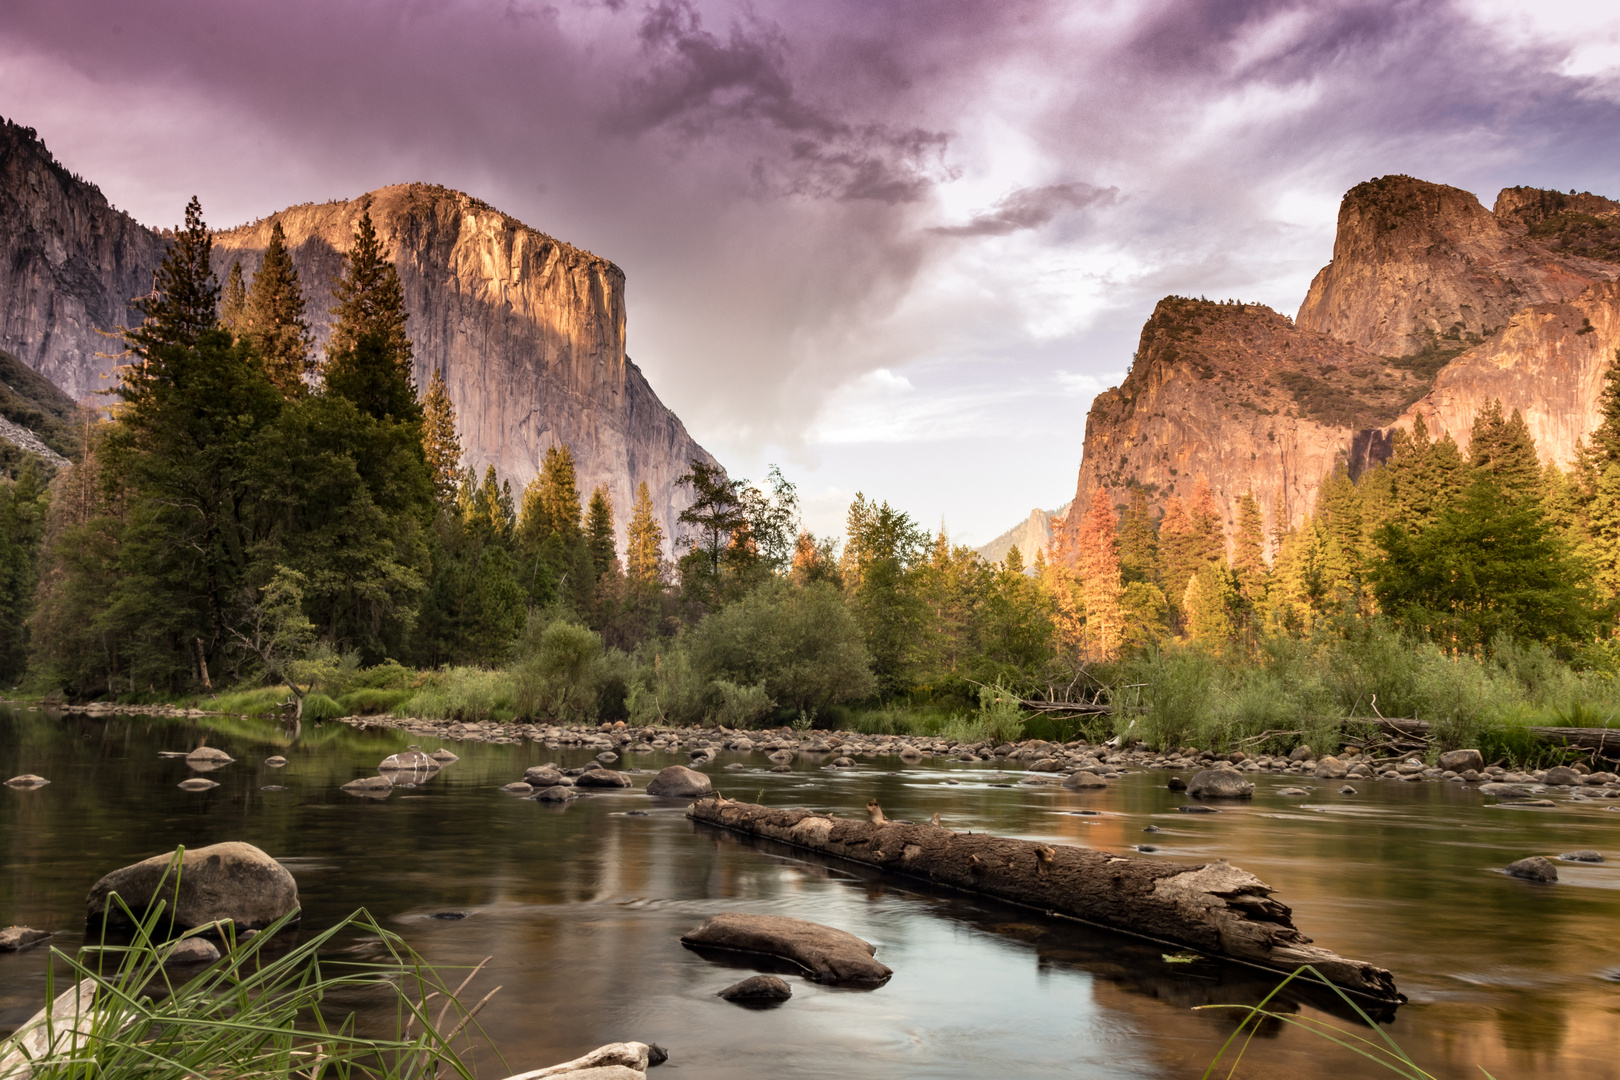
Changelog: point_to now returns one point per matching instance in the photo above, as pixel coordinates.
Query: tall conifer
(1502, 447)
(644, 542)
(1138, 540)
(440, 441)
(1097, 559)
(599, 532)
(559, 493)
(370, 299)
(184, 302)
(1249, 551)
(274, 319)
(233, 304)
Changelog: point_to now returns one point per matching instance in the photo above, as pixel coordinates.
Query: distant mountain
(1032, 535)
(528, 331)
(1432, 306)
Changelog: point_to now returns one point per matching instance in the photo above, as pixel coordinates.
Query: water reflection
(582, 904)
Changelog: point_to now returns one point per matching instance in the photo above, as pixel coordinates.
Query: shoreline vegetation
(257, 530)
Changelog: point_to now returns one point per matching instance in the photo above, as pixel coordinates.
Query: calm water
(582, 906)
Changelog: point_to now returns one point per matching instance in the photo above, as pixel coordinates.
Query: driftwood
(1599, 739)
(1214, 908)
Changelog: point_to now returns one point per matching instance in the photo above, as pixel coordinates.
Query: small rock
(275, 761)
(449, 916)
(1462, 760)
(782, 757)
(408, 761)
(371, 787)
(1331, 768)
(518, 788)
(1047, 765)
(1152, 828)
(607, 757)
(1535, 868)
(191, 950)
(781, 768)
(601, 778)
(1176, 783)
(1146, 848)
(443, 756)
(656, 1055)
(209, 755)
(555, 793)
(196, 783)
(1506, 792)
(843, 763)
(273, 787)
(758, 989)
(1194, 808)
(1584, 855)
(636, 813)
(1220, 784)
(677, 781)
(1303, 752)
(1347, 790)
(27, 782)
(17, 938)
(1561, 776)
(1292, 791)
(1084, 780)
(544, 776)
(826, 954)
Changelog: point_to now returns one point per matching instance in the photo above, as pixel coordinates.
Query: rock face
(1433, 306)
(528, 331)
(71, 264)
(1030, 536)
(223, 881)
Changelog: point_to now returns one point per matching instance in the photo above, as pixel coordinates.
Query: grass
(259, 702)
(369, 701)
(265, 1009)
(464, 693)
(1382, 1051)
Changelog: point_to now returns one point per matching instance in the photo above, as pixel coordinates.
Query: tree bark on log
(1213, 908)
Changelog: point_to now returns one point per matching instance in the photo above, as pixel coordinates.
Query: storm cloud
(982, 200)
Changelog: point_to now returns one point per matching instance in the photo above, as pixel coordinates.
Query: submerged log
(1214, 908)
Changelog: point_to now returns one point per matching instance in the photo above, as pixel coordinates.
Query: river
(582, 905)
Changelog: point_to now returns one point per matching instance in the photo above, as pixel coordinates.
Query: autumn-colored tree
(1097, 560)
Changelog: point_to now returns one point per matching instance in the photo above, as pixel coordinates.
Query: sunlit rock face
(528, 331)
(1432, 306)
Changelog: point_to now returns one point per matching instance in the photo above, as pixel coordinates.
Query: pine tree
(184, 303)
(1602, 552)
(440, 441)
(233, 305)
(1176, 561)
(1450, 475)
(274, 319)
(1605, 442)
(1503, 448)
(599, 532)
(1138, 540)
(370, 299)
(644, 542)
(1097, 560)
(1208, 603)
(559, 493)
(1249, 552)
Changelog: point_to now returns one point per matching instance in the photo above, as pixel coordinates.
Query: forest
(262, 528)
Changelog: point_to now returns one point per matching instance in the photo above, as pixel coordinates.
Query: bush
(320, 707)
(556, 676)
(369, 701)
(741, 706)
(462, 693)
(1165, 696)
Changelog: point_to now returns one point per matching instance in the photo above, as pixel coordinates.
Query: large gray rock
(1220, 784)
(409, 761)
(826, 954)
(232, 881)
(1561, 776)
(678, 781)
(758, 989)
(1084, 780)
(1462, 760)
(601, 778)
(1535, 868)
(1331, 768)
(546, 776)
(1303, 752)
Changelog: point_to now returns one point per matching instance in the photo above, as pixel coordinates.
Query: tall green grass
(266, 1009)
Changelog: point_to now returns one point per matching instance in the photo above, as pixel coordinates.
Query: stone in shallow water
(14, 938)
(1584, 855)
(555, 793)
(275, 761)
(760, 989)
(208, 755)
(1347, 790)
(827, 954)
(1220, 784)
(232, 881)
(369, 787)
(1083, 780)
(601, 778)
(1194, 808)
(191, 950)
(518, 788)
(408, 761)
(677, 781)
(1293, 791)
(1560, 776)
(196, 783)
(27, 782)
(1535, 868)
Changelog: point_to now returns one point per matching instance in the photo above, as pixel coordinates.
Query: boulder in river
(545, 776)
(408, 761)
(1331, 768)
(17, 938)
(615, 1061)
(1047, 765)
(554, 793)
(1584, 855)
(443, 756)
(1561, 776)
(27, 782)
(782, 757)
(1462, 760)
(196, 783)
(1084, 780)
(1220, 784)
(758, 990)
(1302, 752)
(826, 954)
(208, 756)
(518, 787)
(1535, 868)
(601, 778)
(1292, 792)
(191, 950)
(275, 761)
(232, 881)
(370, 787)
(607, 757)
(1505, 792)
(678, 781)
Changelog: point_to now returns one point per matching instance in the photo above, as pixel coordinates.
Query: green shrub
(369, 701)
(320, 707)
(556, 674)
(259, 702)
(1174, 687)
(740, 706)
(462, 693)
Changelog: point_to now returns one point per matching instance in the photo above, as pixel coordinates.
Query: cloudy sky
(894, 246)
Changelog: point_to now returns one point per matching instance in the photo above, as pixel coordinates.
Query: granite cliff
(1432, 306)
(528, 331)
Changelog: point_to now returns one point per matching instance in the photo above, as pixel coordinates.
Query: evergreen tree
(233, 305)
(1208, 603)
(1503, 448)
(599, 532)
(1138, 540)
(24, 504)
(370, 299)
(717, 510)
(1097, 560)
(1602, 552)
(1451, 477)
(883, 546)
(559, 494)
(274, 319)
(184, 302)
(440, 441)
(1604, 447)
(1177, 558)
(369, 376)
(644, 542)
(1249, 552)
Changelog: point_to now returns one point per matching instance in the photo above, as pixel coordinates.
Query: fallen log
(1213, 908)
(1599, 739)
